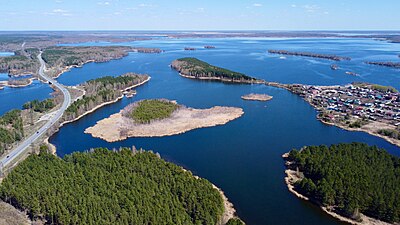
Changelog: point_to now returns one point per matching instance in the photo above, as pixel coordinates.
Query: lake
(242, 157)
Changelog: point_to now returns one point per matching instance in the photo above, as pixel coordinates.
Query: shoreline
(291, 178)
(104, 103)
(390, 140)
(6, 84)
(117, 127)
(222, 79)
(229, 209)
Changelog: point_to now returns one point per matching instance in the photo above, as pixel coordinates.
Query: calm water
(14, 98)
(242, 157)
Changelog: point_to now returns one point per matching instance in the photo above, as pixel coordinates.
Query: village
(366, 102)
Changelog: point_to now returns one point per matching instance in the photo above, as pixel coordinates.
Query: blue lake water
(4, 54)
(242, 157)
(14, 98)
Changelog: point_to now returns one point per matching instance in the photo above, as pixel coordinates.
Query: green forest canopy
(40, 106)
(352, 177)
(111, 187)
(201, 68)
(153, 109)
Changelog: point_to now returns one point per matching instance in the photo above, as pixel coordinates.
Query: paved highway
(7, 159)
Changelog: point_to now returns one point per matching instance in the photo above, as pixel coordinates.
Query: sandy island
(118, 127)
(257, 97)
(292, 177)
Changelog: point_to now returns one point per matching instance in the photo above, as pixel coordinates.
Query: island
(158, 118)
(102, 186)
(197, 69)
(387, 64)
(209, 47)
(370, 108)
(257, 97)
(189, 49)
(309, 54)
(355, 183)
(100, 92)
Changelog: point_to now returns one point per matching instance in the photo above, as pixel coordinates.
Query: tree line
(40, 106)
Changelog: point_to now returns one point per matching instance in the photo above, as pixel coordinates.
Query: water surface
(242, 157)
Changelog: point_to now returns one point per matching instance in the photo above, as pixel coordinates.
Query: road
(29, 140)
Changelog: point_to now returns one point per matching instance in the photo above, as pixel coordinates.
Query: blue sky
(199, 15)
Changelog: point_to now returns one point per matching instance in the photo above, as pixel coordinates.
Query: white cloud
(147, 5)
(103, 3)
(293, 6)
(311, 8)
(59, 1)
(257, 4)
(59, 11)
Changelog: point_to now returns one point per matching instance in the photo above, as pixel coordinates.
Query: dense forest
(153, 109)
(11, 129)
(40, 106)
(353, 178)
(110, 187)
(76, 56)
(102, 90)
(197, 68)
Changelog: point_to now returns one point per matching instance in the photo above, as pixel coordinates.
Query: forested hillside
(102, 90)
(11, 129)
(200, 69)
(110, 187)
(351, 177)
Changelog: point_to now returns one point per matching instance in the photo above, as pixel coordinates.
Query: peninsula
(158, 118)
(370, 108)
(309, 54)
(354, 183)
(105, 187)
(197, 69)
(100, 92)
(257, 97)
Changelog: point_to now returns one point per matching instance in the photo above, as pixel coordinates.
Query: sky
(199, 15)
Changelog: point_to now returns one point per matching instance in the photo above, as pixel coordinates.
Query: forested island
(348, 180)
(122, 186)
(197, 69)
(102, 91)
(387, 64)
(158, 118)
(309, 54)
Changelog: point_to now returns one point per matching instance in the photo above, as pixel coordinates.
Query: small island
(309, 54)
(197, 69)
(189, 49)
(257, 97)
(101, 186)
(387, 64)
(354, 183)
(158, 118)
(209, 47)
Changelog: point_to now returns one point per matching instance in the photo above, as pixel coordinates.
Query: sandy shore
(257, 97)
(118, 127)
(291, 178)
